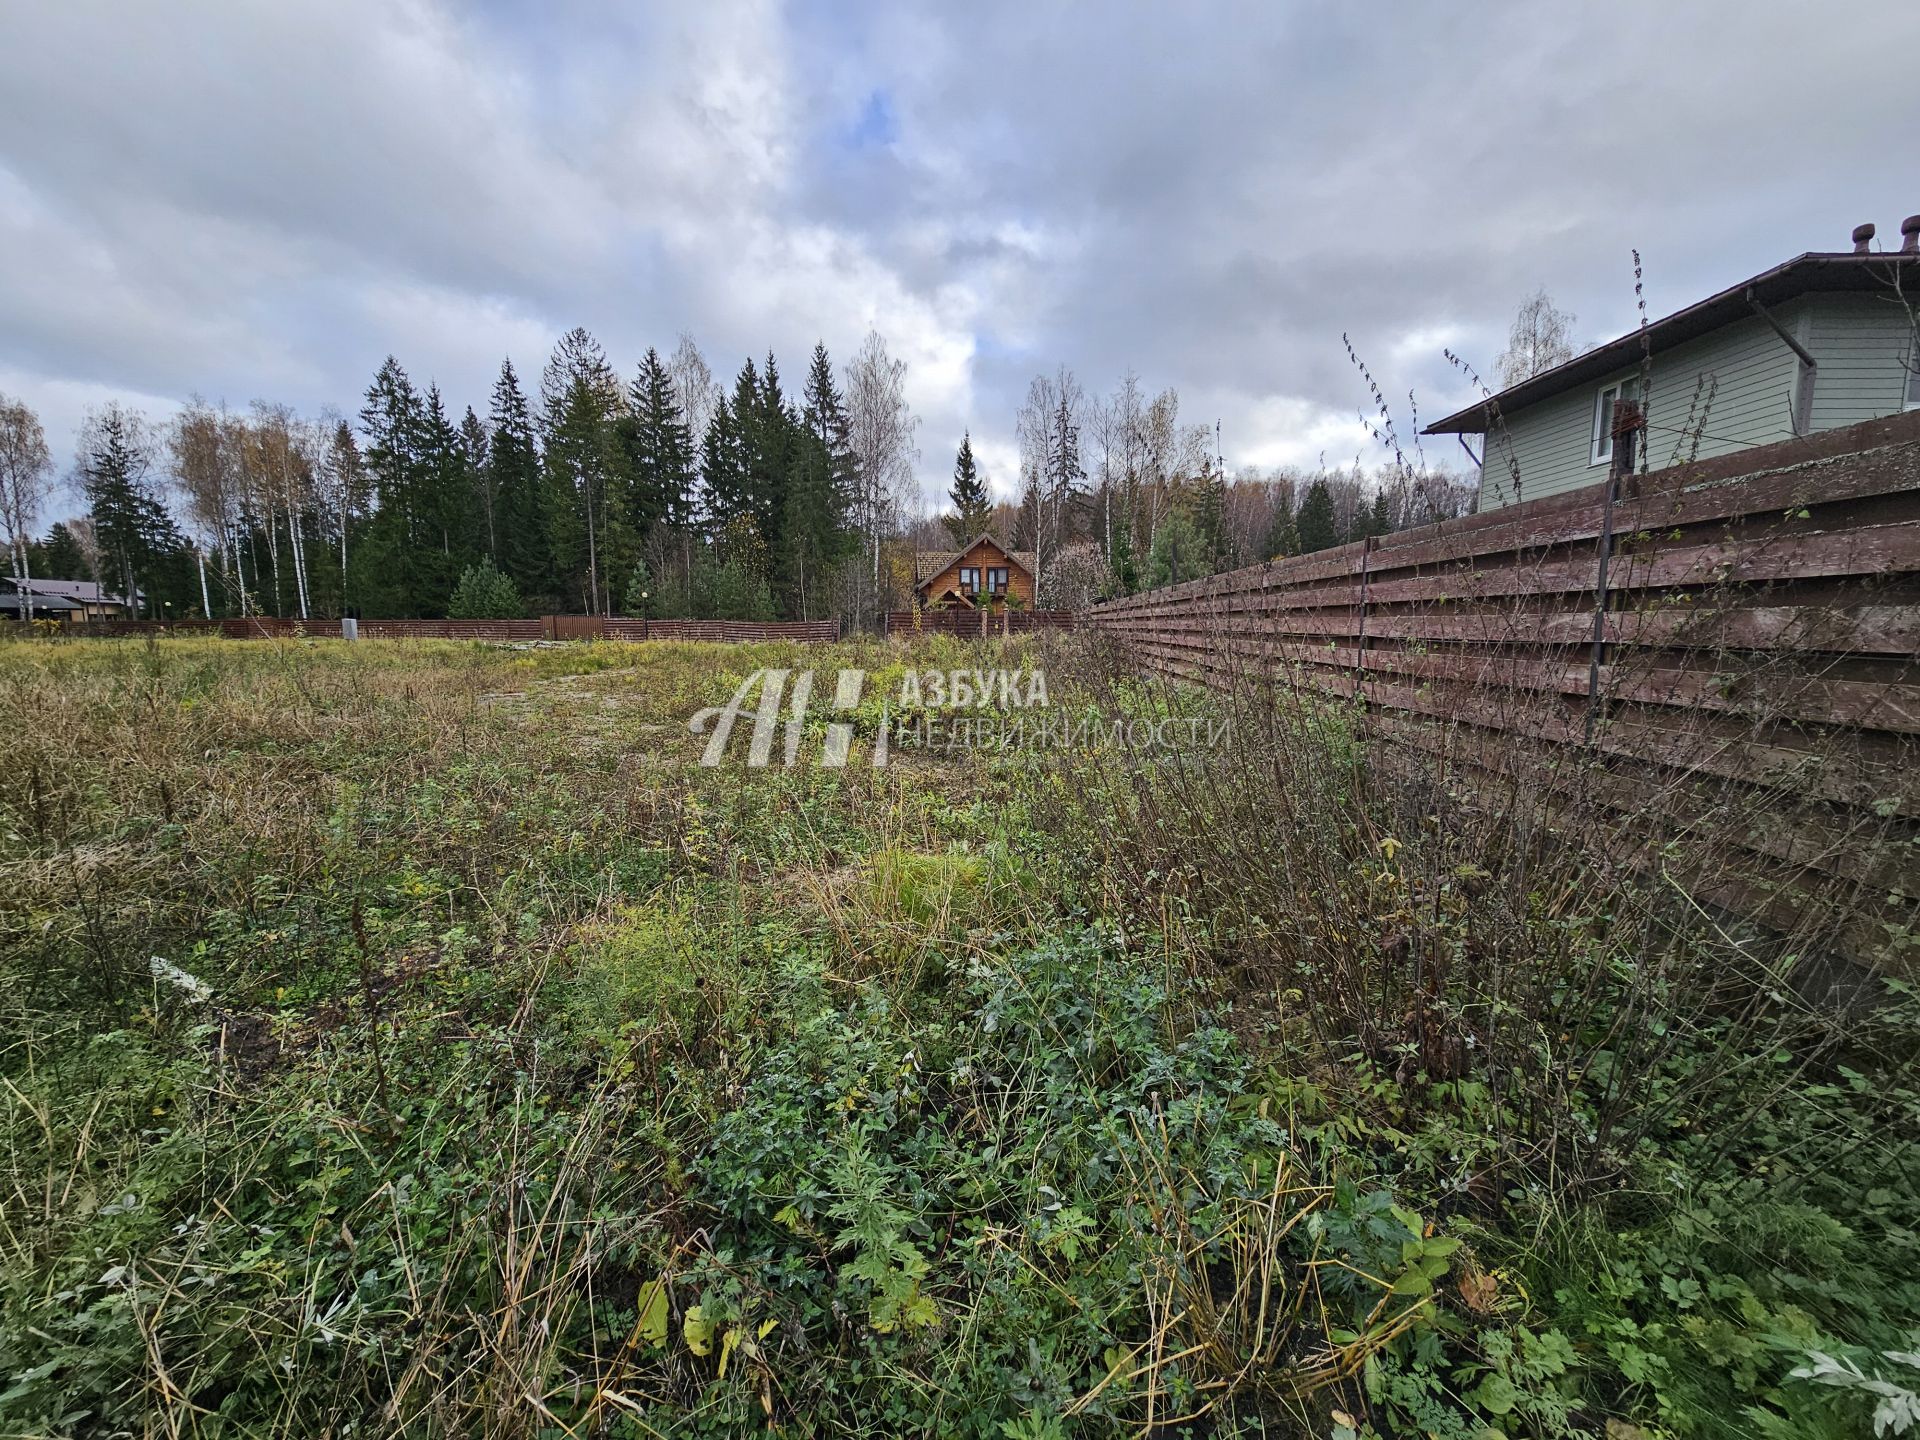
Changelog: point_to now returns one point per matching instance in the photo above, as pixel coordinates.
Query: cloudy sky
(249, 200)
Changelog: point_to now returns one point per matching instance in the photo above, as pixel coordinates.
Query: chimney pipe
(1910, 235)
(1862, 235)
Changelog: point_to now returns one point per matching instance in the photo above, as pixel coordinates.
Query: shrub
(485, 594)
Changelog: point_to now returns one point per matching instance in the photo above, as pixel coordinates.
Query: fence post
(1360, 636)
(1626, 424)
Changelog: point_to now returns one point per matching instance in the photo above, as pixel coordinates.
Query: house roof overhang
(947, 558)
(1887, 274)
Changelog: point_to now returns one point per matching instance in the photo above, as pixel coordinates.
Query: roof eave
(1770, 287)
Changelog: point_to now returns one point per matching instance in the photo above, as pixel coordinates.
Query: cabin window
(1913, 376)
(969, 579)
(996, 579)
(1604, 405)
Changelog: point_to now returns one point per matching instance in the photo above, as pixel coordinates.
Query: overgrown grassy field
(416, 1039)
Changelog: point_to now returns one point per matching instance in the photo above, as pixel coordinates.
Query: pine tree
(136, 535)
(1316, 525)
(972, 505)
(513, 465)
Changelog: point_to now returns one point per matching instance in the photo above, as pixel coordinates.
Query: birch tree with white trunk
(1541, 338)
(880, 431)
(26, 480)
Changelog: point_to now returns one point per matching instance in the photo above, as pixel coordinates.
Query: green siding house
(1822, 341)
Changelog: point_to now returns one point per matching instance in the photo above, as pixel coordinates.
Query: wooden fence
(977, 624)
(551, 627)
(1752, 620)
(811, 632)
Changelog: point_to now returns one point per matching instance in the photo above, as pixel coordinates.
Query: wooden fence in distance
(1759, 626)
(810, 632)
(551, 627)
(977, 624)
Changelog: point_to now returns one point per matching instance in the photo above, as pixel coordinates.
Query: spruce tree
(349, 493)
(1380, 521)
(1316, 525)
(765, 428)
(383, 570)
(972, 505)
(773, 456)
(59, 556)
(136, 535)
(484, 536)
(824, 412)
(513, 464)
(657, 479)
(724, 460)
(1178, 553)
(1126, 573)
(445, 503)
(1282, 538)
(1210, 521)
(484, 593)
(816, 533)
(580, 400)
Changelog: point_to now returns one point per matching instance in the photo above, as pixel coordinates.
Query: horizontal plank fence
(977, 624)
(1758, 626)
(551, 627)
(809, 632)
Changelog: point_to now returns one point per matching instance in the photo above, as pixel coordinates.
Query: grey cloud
(237, 200)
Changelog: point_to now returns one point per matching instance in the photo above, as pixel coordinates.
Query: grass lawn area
(416, 1038)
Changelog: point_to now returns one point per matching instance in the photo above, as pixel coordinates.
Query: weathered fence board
(1760, 625)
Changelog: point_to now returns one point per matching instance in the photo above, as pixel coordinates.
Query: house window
(1913, 376)
(997, 579)
(969, 579)
(1604, 405)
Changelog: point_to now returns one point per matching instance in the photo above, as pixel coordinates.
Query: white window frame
(1600, 452)
(1912, 401)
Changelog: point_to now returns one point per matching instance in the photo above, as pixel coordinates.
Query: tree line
(666, 494)
(1118, 493)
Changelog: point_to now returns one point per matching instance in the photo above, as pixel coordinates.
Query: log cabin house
(982, 573)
